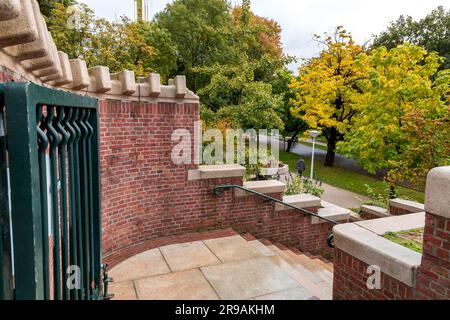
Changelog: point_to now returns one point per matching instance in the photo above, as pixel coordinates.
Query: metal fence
(51, 146)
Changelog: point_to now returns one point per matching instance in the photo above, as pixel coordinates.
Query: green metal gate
(51, 146)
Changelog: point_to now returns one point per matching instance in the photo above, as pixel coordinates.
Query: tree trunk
(293, 141)
(331, 150)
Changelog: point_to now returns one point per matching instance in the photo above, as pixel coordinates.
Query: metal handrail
(218, 190)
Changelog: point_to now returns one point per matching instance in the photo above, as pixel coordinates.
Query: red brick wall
(398, 211)
(433, 279)
(350, 281)
(368, 216)
(146, 196)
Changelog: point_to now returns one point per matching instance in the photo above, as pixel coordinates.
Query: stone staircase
(225, 267)
(314, 273)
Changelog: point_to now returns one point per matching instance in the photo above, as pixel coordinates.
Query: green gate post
(27, 144)
(6, 285)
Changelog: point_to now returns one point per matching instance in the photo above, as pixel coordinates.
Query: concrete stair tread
(316, 290)
(312, 265)
(298, 266)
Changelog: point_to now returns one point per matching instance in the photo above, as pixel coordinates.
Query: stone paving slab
(248, 279)
(186, 285)
(123, 290)
(143, 265)
(231, 249)
(292, 294)
(187, 256)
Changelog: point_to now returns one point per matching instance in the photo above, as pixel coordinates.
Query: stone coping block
(332, 212)
(408, 205)
(149, 86)
(216, 172)
(265, 187)
(80, 73)
(393, 259)
(9, 9)
(100, 79)
(21, 29)
(394, 223)
(123, 83)
(437, 194)
(301, 201)
(37, 48)
(67, 77)
(374, 210)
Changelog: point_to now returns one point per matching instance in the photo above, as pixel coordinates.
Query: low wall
(398, 207)
(404, 273)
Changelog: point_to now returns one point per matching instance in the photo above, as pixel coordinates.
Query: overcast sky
(300, 19)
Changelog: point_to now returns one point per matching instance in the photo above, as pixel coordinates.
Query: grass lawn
(348, 180)
(412, 239)
(309, 144)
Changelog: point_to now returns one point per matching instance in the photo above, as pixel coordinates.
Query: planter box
(283, 170)
(268, 171)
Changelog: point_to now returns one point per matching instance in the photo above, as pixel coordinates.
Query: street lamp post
(314, 134)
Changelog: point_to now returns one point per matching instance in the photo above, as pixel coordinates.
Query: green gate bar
(53, 151)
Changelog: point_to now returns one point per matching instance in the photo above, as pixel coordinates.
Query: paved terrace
(226, 268)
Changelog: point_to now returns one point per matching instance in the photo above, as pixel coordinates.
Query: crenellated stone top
(27, 47)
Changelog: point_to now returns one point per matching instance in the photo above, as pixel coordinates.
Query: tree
(235, 96)
(199, 29)
(47, 7)
(431, 32)
(404, 125)
(328, 91)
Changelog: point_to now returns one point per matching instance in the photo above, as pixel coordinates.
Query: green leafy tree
(404, 125)
(235, 96)
(431, 32)
(47, 7)
(199, 30)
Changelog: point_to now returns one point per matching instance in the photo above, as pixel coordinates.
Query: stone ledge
(266, 187)
(408, 205)
(332, 212)
(301, 201)
(374, 210)
(393, 259)
(216, 172)
(437, 192)
(394, 223)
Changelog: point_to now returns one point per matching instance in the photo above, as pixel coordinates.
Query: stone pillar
(433, 279)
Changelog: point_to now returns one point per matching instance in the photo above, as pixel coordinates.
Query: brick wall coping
(27, 48)
(374, 210)
(264, 186)
(299, 201)
(333, 212)
(438, 192)
(394, 223)
(408, 205)
(216, 172)
(393, 259)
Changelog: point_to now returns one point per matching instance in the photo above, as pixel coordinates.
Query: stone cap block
(374, 210)
(393, 259)
(394, 223)
(149, 86)
(437, 194)
(80, 74)
(9, 9)
(408, 205)
(217, 172)
(100, 79)
(123, 83)
(67, 77)
(22, 28)
(37, 48)
(265, 187)
(180, 87)
(301, 201)
(332, 212)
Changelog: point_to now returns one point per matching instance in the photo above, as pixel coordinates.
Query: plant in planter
(298, 185)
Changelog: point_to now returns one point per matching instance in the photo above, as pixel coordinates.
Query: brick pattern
(395, 211)
(433, 279)
(350, 282)
(146, 197)
(368, 216)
